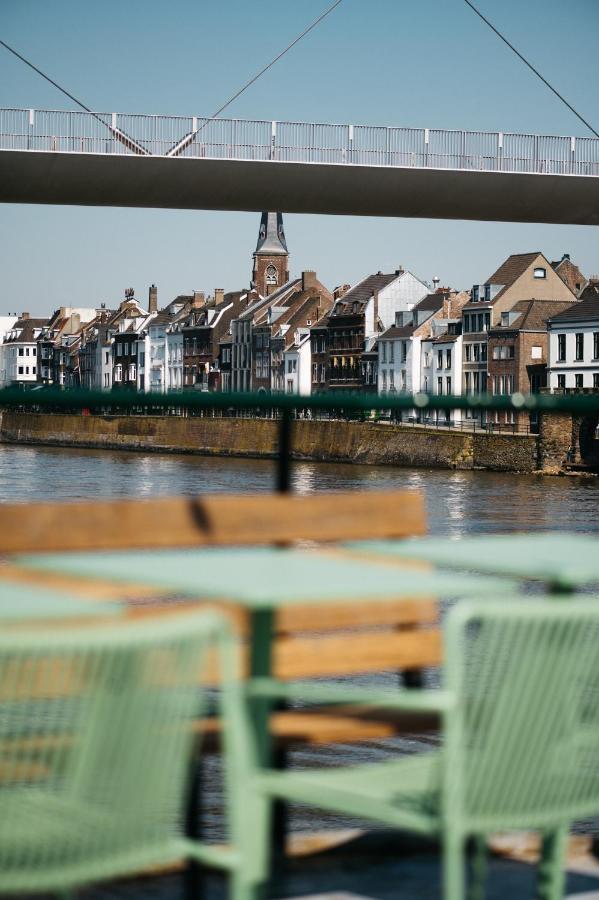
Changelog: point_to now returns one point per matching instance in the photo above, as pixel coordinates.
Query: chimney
(153, 299)
(436, 282)
(75, 322)
(219, 295)
(308, 280)
(198, 299)
(566, 256)
(24, 315)
(400, 270)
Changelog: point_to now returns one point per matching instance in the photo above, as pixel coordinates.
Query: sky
(424, 63)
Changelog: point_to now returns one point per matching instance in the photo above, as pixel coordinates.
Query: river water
(458, 502)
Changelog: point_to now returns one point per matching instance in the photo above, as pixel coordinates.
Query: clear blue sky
(422, 63)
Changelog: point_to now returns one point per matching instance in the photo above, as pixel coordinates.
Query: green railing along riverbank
(287, 405)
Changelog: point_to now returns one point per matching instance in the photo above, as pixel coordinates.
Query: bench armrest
(402, 699)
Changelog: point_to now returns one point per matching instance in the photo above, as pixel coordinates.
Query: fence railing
(56, 131)
(287, 405)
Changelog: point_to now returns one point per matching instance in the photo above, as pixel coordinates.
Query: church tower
(271, 257)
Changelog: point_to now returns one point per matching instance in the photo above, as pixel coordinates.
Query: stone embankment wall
(332, 441)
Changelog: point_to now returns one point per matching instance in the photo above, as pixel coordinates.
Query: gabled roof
(587, 308)
(398, 331)
(432, 302)
(533, 314)
(362, 293)
(514, 266)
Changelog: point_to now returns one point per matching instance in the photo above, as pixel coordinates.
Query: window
(561, 347)
(391, 380)
(448, 384)
(483, 352)
(596, 381)
(119, 349)
(536, 353)
(540, 272)
(439, 359)
(290, 385)
(34, 351)
(468, 348)
(271, 275)
(561, 382)
(481, 321)
(476, 348)
(468, 382)
(20, 351)
(596, 345)
(314, 371)
(383, 351)
(384, 377)
(404, 351)
(578, 380)
(439, 385)
(118, 373)
(448, 359)
(34, 370)
(20, 370)
(26, 351)
(579, 346)
(391, 345)
(132, 372)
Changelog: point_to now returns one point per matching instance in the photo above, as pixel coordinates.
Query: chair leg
(252, 876)
(453, 867)
(478, 868)
(552, 875)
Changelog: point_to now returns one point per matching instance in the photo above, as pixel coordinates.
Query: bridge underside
(159, 182)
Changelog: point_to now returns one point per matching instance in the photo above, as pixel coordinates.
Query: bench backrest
(326, 641)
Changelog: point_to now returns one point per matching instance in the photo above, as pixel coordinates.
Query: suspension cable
(531, 67)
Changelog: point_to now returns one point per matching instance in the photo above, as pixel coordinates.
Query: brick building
(517, 356)
(522, 276)
(208, 323)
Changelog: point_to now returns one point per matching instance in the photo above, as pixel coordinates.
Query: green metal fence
(287, 405)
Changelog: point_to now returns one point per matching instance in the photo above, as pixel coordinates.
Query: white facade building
(298, 364)
(573, 355)
(6, 325)
(20, 350)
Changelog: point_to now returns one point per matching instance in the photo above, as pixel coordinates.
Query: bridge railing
(56, 131)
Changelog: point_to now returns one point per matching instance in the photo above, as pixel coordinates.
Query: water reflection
(458, 503)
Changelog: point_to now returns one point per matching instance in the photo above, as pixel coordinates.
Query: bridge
(113, 159)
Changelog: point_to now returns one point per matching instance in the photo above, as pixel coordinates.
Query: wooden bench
(311, 642)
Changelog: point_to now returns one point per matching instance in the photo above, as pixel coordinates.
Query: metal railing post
(426, 143)
(572, 154)
(500, 151)
(273, 140)
(284, 458)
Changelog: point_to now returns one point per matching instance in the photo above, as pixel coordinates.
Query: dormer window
(540, 272)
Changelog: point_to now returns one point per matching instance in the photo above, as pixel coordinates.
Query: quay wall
(332, 441)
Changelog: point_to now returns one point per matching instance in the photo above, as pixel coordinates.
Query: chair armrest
(401, 699)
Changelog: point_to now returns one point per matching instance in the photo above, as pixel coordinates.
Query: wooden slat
(211, 520)
(352, 654)
(84, 588)
(417, 611)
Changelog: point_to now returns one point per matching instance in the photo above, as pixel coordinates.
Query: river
(458, 502)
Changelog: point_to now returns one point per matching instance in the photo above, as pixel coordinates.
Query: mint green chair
(96, 748)
(520, 739)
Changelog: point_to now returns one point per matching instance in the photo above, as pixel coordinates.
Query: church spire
(271, 257)
(271, 236)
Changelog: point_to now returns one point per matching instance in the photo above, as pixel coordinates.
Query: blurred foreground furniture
(520, 745)
(563, 561)
(112, 800)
